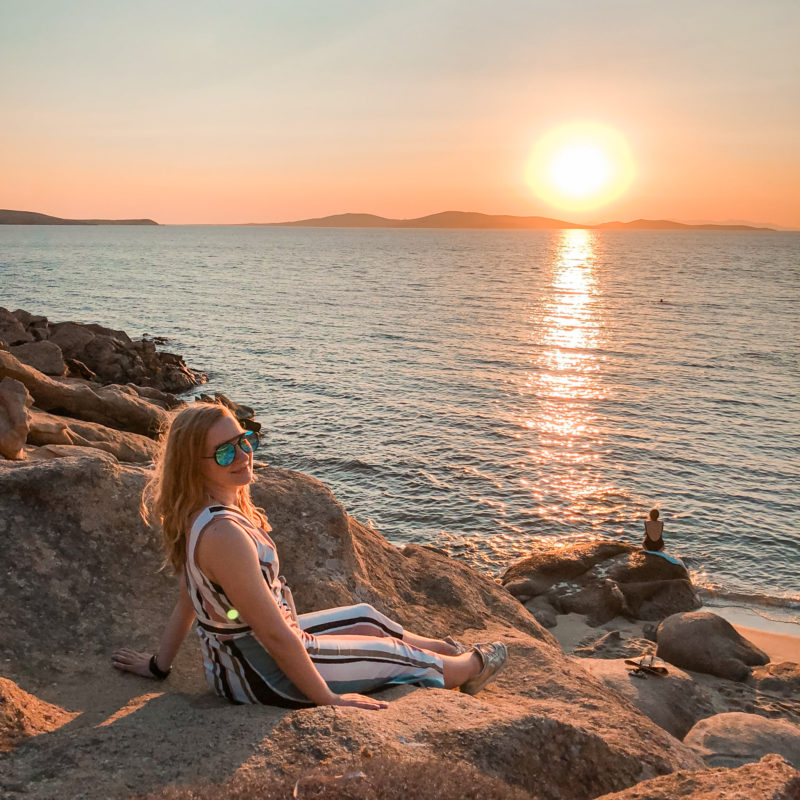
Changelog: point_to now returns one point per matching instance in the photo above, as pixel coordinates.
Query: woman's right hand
(132, 661)
(358, 701)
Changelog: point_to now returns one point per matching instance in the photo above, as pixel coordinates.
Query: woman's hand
(132, 661)
(358, 701)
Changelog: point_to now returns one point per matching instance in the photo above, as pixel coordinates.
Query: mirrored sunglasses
(248, 443)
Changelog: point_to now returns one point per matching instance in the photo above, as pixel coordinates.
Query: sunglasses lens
(224, 454)
(249, 441)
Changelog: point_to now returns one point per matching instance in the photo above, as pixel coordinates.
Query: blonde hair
(175, 491)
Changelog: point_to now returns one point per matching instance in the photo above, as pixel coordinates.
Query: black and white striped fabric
(354, 648)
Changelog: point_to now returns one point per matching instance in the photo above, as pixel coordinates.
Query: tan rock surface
(22, 715)
(48, 429)
(770, 779)
(674, 702)
(84, 568)
(14, 404)
(733, 739)
(108, 405)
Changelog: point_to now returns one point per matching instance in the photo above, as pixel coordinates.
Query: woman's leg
(364, 620)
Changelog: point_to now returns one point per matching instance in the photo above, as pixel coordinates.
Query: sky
(245, 111)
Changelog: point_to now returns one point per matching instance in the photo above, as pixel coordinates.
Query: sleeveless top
(219, 624)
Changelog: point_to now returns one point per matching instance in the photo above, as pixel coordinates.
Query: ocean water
(485, 391)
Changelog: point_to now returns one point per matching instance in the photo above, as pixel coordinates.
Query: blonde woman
(255, 648)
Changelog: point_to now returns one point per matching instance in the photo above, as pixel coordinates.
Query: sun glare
(580, 166)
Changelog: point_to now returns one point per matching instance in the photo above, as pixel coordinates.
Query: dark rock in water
(108, 355)
(704, 642)
(43, 355)
(772, 778)
(601, 580)
(733, 739)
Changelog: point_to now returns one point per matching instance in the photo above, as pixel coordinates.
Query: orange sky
(211, 113)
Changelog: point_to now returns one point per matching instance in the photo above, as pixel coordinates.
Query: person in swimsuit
(653, 532)
(256, 649)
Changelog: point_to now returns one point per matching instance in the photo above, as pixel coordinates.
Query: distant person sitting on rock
(653, 532)
(256, 649)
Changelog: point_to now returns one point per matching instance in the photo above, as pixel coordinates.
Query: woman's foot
(494, 657)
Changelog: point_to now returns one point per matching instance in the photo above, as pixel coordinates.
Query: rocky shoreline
(81, 575)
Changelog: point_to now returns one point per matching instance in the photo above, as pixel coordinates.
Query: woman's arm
(178, 625)
(229, 557)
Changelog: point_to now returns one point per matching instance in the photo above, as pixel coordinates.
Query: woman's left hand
(132, 661)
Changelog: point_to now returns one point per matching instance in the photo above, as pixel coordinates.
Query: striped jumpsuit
(238, 667)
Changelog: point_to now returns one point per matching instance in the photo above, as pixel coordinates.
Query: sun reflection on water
(564, 385)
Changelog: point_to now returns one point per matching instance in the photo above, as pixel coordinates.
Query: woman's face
(240, 471)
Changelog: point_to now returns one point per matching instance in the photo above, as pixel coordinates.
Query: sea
(490, 393)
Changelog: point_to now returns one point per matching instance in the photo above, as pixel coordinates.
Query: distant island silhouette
(475, 220)
(8, 217)
(446, 219)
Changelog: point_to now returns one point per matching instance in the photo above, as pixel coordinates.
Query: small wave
(751, 598)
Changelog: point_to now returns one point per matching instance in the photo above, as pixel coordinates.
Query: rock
(71, 337)
(111, 356)
(542, 612)
(674, 702)
(601, 580)
(48, 429)
(613, 645)
(165, 400)
(43, 355)
(782, 679)
(12, 332)
(29, 320)
(704, 642)
(733, 739)
(108, 405)
(22, 715)
(770, 779)
(77, 369)
(535, 574)
(14, 404)
(85, 572)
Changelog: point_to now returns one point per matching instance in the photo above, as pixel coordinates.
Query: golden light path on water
(564, 383)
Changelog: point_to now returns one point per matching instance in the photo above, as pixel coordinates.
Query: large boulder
(733, 739)
(43, 355)
(14, 404)
(705, 642)
(601, 580)
(71, 337)
(83, 577)
(770, 779)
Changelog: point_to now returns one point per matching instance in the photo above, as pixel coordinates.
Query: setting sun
(580, 166)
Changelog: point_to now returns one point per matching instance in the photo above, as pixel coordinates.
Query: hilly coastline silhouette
(8, 217)
(476, 220)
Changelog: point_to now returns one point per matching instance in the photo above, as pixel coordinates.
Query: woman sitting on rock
(653, 532)
(255, 648)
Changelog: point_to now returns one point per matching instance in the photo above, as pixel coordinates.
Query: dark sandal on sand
(647, 665)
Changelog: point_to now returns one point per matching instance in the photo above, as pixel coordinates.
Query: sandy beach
(779, 640)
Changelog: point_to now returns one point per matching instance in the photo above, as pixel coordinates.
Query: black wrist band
(156, 671)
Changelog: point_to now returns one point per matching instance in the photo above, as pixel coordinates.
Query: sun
(580, 166)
